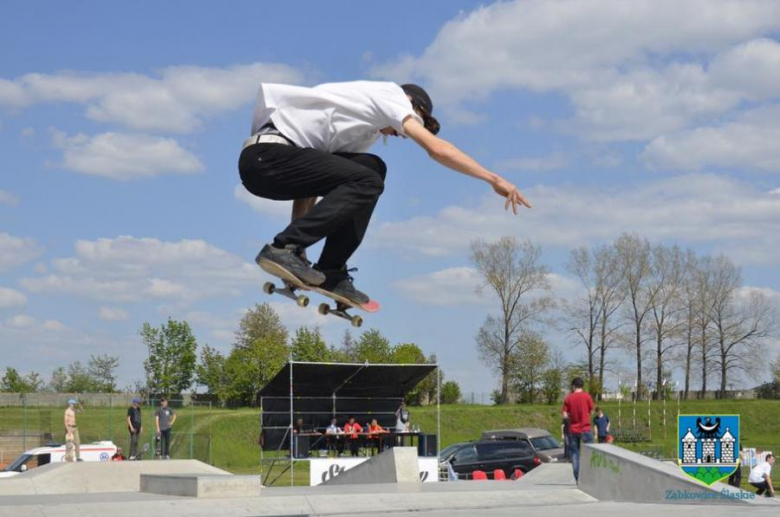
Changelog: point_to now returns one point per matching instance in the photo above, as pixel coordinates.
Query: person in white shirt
(333, 435)
(310, 143)
(761, 476)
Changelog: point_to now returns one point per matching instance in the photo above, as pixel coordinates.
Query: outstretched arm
(450, 156)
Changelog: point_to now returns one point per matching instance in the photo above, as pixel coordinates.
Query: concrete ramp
(396, 465)
(611, 473)
(550, 475)
(97, 477)
(201, 486)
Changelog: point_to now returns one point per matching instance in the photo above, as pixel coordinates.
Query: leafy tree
(308, 346)
(450, 393)
(101, 371)
(260, 322)
(79, 380)
(552, 384)
(14, 382)
(59, 380)
(170, 366)
(373, 347)
(212, 374)
(531, 357)
(252, 367)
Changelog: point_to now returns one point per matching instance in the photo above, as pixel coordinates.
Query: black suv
(489, 456)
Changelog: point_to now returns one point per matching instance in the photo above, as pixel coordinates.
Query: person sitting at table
(375, 438)
(353, 430)
(298, 427)
(332, 434)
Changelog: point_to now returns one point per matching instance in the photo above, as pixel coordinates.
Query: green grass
(228, 438)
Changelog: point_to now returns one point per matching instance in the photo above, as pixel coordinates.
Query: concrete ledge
(611, 473)
(396, 465)
(201, 486)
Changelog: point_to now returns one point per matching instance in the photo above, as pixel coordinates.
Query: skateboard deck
(292, 284)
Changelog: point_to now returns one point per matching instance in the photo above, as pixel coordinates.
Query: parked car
(488, 456)
(541, 441)
(52, 453)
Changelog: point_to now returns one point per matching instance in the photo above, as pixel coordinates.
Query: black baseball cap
(421, 100)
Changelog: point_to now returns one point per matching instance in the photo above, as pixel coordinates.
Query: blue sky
(121, 123)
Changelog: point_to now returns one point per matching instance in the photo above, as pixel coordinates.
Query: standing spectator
(761, 476)
(134, 426)
(164, 420)
(565, 438)
(72, 439)
(735, 479)
(601, 422)
(578, 407)
(352, 429)
(402, 417)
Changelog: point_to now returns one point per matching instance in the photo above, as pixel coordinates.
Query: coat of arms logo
(708, 446)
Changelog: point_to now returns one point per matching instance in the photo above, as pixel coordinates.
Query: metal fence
(104, 417)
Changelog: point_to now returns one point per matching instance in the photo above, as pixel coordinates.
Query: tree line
(659, 307)
(262, 345)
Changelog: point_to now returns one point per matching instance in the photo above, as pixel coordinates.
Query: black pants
(165, 442)
(134, 443)
(762, 487)
(349, 183)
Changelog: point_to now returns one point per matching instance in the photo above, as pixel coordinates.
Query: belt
(265, 139)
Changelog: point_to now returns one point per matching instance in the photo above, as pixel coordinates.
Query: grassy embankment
(233, 433)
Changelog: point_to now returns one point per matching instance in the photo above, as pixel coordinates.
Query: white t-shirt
(333, 117)
(757, 473)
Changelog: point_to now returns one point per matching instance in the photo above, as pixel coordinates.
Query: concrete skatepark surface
(547, 490)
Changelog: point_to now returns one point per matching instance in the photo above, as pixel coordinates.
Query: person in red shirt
(578, 408)
(352, 429)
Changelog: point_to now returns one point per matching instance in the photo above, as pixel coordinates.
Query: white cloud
(15, 251)
(11, 298)
(20, 321)
(752, 67)
(550, 162)
(177, 100)
(447, 287)
(734, 217)
(125, 157)
(8, 198)
(129, 269)
(458, 286)
(268, 207)
(632, 70)
(53, 325)
(113, 314)
(750, 142)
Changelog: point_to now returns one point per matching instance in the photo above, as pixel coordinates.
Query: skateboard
(292, 286)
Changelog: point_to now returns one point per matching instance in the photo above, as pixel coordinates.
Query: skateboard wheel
(302, 300)
(269, 288)
(323, 309)
(357, 321)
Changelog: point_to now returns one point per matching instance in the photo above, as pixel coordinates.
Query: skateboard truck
(341, 312)
(289, 291)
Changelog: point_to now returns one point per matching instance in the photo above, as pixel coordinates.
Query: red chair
(478, 475)
(499, 475)
(517, 474)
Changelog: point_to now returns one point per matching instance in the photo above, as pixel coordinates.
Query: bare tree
(583, 314)
(739, 325)
(610, 297)
(704, 293)
(512, 270)
(666, 308)
(634, 260)
(691, 310)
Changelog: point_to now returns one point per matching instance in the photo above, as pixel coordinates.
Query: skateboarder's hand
(512, 194)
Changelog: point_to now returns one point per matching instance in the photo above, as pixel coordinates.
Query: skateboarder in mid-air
(309, 143)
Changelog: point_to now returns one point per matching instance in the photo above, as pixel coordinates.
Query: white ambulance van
(96, 451)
